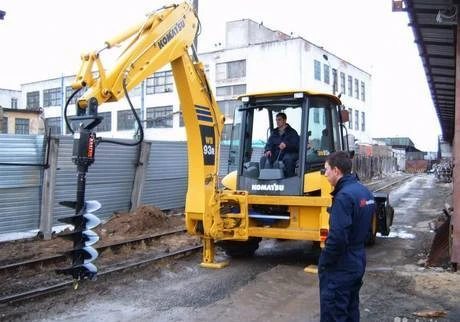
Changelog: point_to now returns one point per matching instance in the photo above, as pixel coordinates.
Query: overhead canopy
(434, 23)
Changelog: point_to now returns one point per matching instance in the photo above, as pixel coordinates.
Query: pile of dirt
(143, 221)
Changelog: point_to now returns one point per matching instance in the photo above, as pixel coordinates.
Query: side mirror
(345, 116)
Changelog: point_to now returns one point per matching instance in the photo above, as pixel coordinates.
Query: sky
(44, 39)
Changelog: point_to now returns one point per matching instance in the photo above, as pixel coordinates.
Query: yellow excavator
(250, 203)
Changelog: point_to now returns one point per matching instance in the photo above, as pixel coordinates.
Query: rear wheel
(235, 248)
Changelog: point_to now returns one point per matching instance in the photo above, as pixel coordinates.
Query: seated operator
(282, 145)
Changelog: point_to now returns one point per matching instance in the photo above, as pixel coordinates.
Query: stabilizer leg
(209, 255)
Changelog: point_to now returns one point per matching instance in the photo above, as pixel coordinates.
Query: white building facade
(254, 59)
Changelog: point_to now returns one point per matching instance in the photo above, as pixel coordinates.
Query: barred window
(69, 91)
(160, 116)
(21, 126)
(363, 92)
(4, 125)
(14, 103)
(52, 97)
(161, 82)
(229, 70)
(317, 68)
(228, 107)
(126, 120)
(350, 116)
(231, 90)
(326, 74)
(53, 125)
(316, 115)
(356, 120)
(335, 86)
(106, 124)
(33, 99)
(342, 83)
(356, 88)
(350, 86)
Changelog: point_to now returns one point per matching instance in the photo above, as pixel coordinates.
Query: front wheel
(234, 248)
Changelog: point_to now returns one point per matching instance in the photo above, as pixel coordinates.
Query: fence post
(139, 176)
(49, 183)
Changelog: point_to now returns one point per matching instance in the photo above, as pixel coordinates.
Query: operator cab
(314, 117)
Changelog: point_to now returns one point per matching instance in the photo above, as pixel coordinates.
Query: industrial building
(254, 58)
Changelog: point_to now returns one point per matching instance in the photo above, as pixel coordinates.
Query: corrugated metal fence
(20, 185)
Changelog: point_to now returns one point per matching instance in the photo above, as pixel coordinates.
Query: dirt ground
(272, 285)
(145, 220)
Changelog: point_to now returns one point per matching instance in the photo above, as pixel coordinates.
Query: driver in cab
(282, 145)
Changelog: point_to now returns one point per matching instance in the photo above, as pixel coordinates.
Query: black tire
(235, 248)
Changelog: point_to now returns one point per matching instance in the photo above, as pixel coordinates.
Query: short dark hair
(341, 160)
(282, 115)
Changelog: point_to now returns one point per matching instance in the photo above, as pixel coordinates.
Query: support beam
(455, 220)
(139, 177)
(48, 187)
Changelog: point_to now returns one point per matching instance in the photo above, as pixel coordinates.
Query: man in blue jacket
(282, 145)
(343, 260)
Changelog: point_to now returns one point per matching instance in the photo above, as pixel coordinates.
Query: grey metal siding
(20, 186)
(166, 182)
(109, 180)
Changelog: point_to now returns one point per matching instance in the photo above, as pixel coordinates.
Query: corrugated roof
(434, 25)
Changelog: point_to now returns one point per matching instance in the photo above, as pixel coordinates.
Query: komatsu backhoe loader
(251, 203)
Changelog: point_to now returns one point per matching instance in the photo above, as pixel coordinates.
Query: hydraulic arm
(166, 37)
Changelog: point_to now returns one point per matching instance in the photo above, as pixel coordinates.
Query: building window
(316, 115)
(317, 68)
(4, 125)
(52, 97)
(356, 89)
(363, 92)
(342, 83)
(229, 70)
(69, 91)
(21, 126)
(228, 108)
(363, 122)
(161, 82)
(350, 116)
(335, 86)
(326, 74)
(33, 100)
(160, 116)
(106, 124)
(126, 120)
(14, 103)
(350, 86)
(53, 125)
(231, 90)
(356, 120)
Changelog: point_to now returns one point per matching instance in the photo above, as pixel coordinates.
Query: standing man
(282, 145)
(343, 260)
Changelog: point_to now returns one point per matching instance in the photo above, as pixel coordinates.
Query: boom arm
(165, 37)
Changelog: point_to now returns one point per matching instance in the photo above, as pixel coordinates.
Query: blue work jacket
(289, 137)
(349, 223)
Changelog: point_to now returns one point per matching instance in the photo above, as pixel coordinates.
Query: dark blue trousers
(339, 296)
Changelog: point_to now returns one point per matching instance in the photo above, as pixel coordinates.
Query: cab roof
(291, 92)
